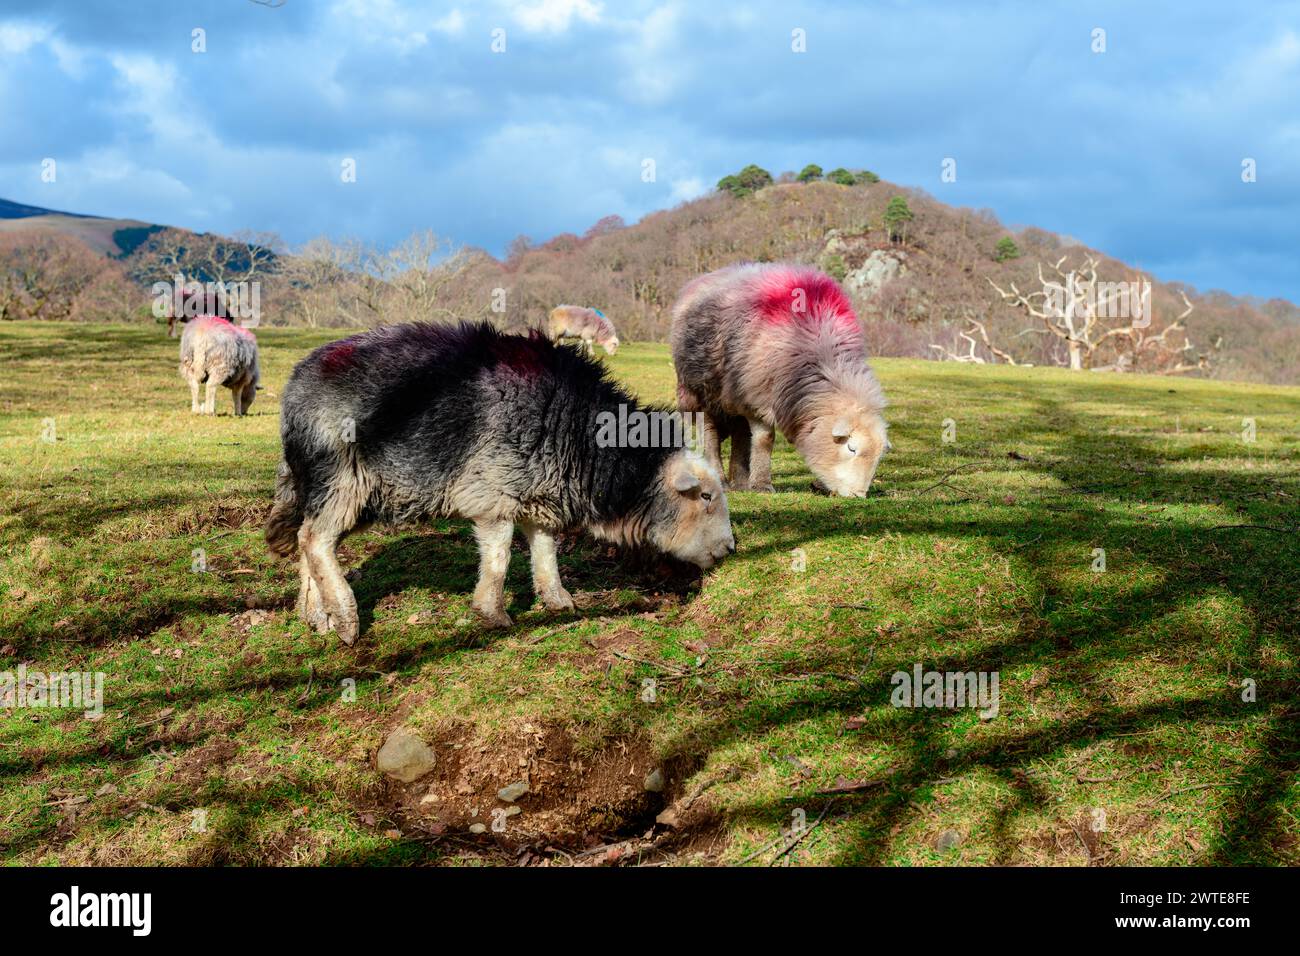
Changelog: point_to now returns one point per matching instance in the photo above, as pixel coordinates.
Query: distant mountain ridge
(112, 237)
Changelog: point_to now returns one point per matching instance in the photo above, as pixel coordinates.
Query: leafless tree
(1103, 325)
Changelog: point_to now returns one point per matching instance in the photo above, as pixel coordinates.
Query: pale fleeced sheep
(759, 347)
(465, 421)
(579, 322)
(215, 352)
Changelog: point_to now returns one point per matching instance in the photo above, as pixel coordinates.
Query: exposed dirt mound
(592, 808)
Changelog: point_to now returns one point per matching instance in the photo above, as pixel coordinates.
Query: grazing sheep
(465, 421)
(215, 352)
(590, 325)
(764, 346)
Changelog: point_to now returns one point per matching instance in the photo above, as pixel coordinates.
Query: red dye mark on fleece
(337, 358)
(226, 323)
(803, 295)
(523, 356)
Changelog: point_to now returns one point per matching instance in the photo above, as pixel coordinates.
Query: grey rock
(405, 757)
(514, 791)
(654, 781)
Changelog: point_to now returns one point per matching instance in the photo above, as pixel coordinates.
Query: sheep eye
(852, 450)
(707, 495)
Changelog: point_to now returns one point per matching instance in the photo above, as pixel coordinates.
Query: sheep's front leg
(762, 437)
(546, 570)
(210, 398)
(740, 452)
(711, 441)
(195, 408)
(237, 398)
(494, 560)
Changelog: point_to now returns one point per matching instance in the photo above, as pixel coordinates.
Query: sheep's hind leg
(494, 560)
(546, 570)
(318, 540)
(309, 600)
(210, 398)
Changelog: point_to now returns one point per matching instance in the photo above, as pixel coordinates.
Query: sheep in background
(215, 352)
(417, 420)
(590, 325)
(764, 346)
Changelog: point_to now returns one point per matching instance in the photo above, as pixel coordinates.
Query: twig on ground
(806, 830)
(1200, 786)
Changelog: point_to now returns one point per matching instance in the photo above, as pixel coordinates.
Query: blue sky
(1137, 150)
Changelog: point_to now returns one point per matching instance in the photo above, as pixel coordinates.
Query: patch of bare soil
(620, 805)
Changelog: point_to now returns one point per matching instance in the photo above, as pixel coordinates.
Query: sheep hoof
(560, 600)
(765, 488)
(495, 617)
(346, 628)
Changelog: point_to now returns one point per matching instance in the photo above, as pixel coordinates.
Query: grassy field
(231, 734)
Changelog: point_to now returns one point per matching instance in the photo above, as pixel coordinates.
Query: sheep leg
(309, 600)
(494, 560)
(762, 437)
(194, 396)
(210, 398)
(740, 445)
(317, 540)
(237, 397)
(711, 441)
(546, 570)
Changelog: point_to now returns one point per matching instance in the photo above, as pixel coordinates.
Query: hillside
(231, 735)
(112, 237)
(912, 295)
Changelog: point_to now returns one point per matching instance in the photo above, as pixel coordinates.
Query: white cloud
(690, 188)
(16, 38)
(555, 16)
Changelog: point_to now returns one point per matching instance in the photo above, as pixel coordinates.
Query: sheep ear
(842, 429)
(685, 481)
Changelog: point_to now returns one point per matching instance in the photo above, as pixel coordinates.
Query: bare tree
(1103, 325)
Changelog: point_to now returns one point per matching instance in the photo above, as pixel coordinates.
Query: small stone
(404, 756)
(667, 818)
(514, 791)
(477, 828)
(513, 811)
(654, 781)
(948, 839)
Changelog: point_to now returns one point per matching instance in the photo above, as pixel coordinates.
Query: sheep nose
(731, 546)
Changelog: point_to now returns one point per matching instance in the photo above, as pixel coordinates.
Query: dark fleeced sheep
(464, 421)
(215, 352)
(773, 346)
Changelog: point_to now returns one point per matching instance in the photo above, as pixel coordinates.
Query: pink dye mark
(337, 358)
(523, 356)
(226, 323)
(802, 295)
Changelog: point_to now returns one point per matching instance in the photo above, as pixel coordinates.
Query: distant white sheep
(215, 352)
(590, 325)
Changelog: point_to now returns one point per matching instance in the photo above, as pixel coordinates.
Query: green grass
(1120, 690)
